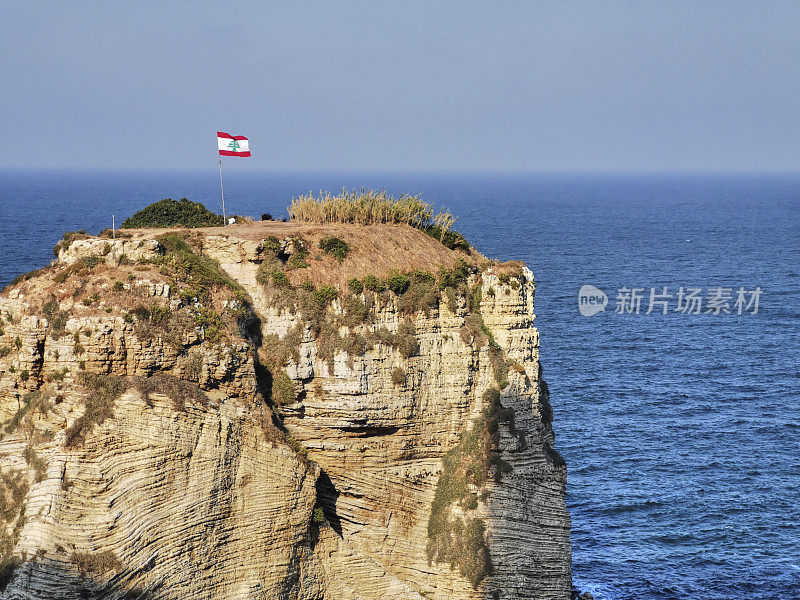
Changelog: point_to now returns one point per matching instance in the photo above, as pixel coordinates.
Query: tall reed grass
(368, 207)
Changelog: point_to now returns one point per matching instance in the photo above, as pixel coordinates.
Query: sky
(561, 86)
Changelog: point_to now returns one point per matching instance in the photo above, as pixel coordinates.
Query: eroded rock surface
(178, 494)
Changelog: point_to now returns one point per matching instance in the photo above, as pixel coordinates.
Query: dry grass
(177, 390)
(102, 392)
(508, 271)
(379, 250)
(365, 207)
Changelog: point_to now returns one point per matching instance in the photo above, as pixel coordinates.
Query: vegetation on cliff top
(371, 207)
(173, 213)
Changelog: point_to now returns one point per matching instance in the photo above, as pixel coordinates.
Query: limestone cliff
(230, 413)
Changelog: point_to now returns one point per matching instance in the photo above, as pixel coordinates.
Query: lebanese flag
(232, 145)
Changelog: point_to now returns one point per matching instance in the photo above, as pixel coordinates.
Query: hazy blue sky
(533, 86)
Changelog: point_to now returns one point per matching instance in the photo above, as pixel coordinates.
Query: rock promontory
(272, 410)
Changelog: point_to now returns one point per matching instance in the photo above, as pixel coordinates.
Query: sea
(681, 431)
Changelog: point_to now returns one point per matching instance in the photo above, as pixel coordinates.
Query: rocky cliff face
(163, 439)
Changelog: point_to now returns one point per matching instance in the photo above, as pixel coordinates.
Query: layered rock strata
(208, 494)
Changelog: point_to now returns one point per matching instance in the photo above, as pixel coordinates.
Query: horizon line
(423, 172)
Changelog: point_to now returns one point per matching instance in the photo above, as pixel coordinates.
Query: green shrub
(297, 259)
(398, 283)
(270, 274)
(141, 312)
(56, 375)
(356, 311)
(422, 277)
(158, 314)
(210, 322)
(324, 294)
(195, 270)
(318, 516)
(276, 352)
(356, 285)
(509, 280)
(282, 388)
(13, 491)
(499, 364)
(271, 244)
(59, 323)
(119, 286)
(334, 246)
(374, 284)
(475, 332)
(88, 301)
(173, 213)
(68, 238)
(454, 277)
(451, 239)
(91, 261)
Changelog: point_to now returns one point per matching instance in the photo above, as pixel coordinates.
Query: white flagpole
(114, 237)
(222, 191)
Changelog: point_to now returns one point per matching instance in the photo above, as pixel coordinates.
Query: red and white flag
(232, 145)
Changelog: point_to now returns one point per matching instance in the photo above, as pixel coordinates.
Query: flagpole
(222, 191)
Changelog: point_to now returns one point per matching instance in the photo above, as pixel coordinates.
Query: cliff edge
(277, 410)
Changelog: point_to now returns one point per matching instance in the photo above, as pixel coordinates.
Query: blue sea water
(681, 432)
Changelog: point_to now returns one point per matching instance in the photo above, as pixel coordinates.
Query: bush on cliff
(334, 246)
(173, 213)
(467, 467)
(67, 239)
(102, 392)
(194, 269)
